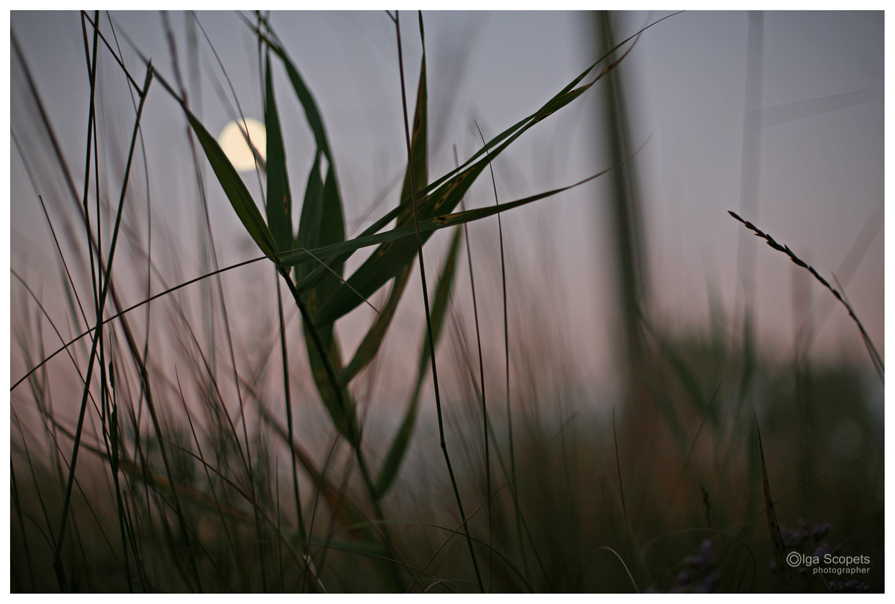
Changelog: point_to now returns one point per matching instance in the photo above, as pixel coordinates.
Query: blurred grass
(185, 431)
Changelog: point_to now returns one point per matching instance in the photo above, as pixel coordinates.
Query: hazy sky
(821, 170)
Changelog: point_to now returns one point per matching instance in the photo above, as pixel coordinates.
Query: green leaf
(440, 197)
(426, 226)
(403, 242)
(331, 230)
(236, 191)
(388, 260)
(279, 197)
(372, 341)
(453, 178)
(309, 221)
(312, 113)
(419, 146)
(395, 456)
(332, 219)
(344, 418)
(322, 224)
(326, 226)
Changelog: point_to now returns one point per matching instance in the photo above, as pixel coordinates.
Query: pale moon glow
(234, 145)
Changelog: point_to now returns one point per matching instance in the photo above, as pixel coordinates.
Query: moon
(234, 145)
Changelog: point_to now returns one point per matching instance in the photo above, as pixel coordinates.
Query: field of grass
(327, 405)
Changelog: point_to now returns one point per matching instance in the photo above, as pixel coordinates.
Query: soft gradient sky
(821, 174)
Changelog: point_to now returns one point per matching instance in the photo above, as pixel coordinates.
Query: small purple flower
(699, 574)
(707, 584)
(850, 586)
(704, 558)
(821, 550)
(797, 540)
(794, 538)
(821, 530)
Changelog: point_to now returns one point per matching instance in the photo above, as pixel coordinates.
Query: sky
(820, 176)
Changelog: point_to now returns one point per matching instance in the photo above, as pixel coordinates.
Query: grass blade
(369, 346)
(419, 148)
(309, 221)
(342, 409)
(99, 313)
(326, 227)
(279, 197)
(442, 197)
(783, 567)
(420, 159)
(426, 226)
(392, 463)
(236, 191)
(307, 102)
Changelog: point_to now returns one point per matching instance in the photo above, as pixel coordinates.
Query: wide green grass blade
(396, 253)
(419, 148)
(312, 113)
(442, 196)
(279, 196)
(322, 224)
(386, 262)
(369, 346)
(236, 191)
(401, 234)
(379, 269)
(329, 230)
(326, 228)
(395, 456)
(372, 341)
(344, 416)
(309, 221)
(332, 219)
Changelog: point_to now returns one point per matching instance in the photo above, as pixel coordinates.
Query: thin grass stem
(419, 241)
(100, 307)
